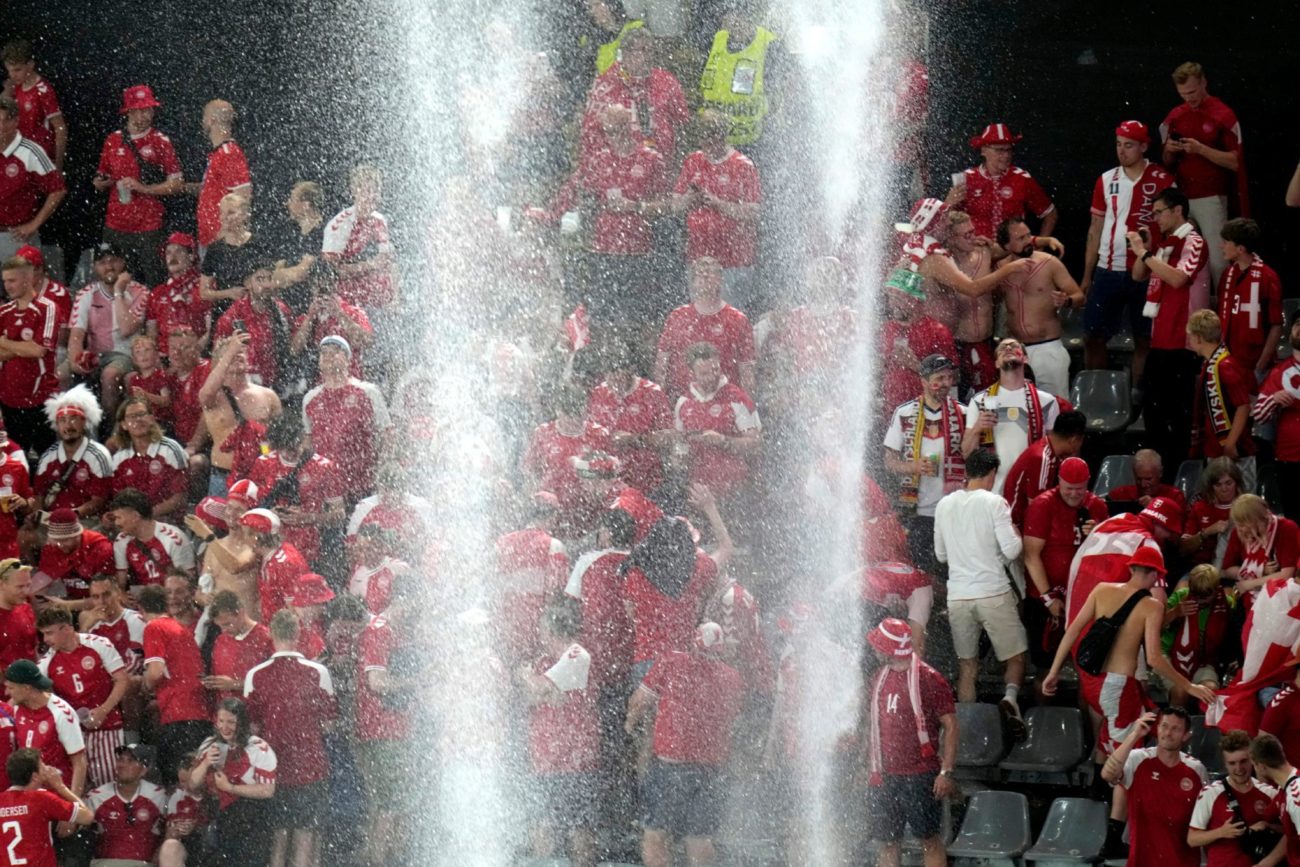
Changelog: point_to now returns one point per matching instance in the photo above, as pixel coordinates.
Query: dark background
(320, 85)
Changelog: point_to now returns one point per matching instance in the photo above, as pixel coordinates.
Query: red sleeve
(1286, 547)
(1273, 300)
(102, 557)
(155, 647)
(743, 340)
(669, 338)
(661, 411)
(1099, 198)
(51, 182)
(687, 174)
(937, 695)
(1240, 385)
(55, 808)
(235, 169)
(1036, 197)
(751, 189)
(1097, 509)
(50, 104)
(1038, 518)
(225, 326)
(167, 156)
(1232, 554)
(103, 168)
(678, 113)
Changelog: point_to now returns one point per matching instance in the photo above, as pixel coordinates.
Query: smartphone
(239, 326)
(1174, 135)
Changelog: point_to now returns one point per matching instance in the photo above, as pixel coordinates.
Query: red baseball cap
(1148, 557)
(995, 133)
(181, 239)
(892, 637)
(1166, 512)
(32, 255)
(1135, 130)
(1074, 471)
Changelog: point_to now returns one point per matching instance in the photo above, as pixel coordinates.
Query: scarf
(877, 757)
(1197, 634)
(952, 424)
(1034, 408)
(1215, 402)
(906, 276)
(1156, 286)
(1254, 558)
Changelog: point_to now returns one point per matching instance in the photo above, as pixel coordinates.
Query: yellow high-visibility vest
(733, 84)
(608, 53)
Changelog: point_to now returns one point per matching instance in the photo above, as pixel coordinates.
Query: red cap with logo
(1135, 130)
(892, 637)
(1166, 512)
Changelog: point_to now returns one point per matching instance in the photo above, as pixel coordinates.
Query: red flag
(1269, 640)
(577, 329)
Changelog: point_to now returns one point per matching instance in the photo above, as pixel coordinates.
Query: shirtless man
(228, 381)
(1117, 695)
(969, 319)
(1033, 298)
(230, 560)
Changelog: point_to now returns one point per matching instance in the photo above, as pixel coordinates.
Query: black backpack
(1096, 645)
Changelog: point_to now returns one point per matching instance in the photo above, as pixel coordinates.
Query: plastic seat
(1072, 329)
(1104, 397)
(981, 743)
(1115, 471)
(1289, 306)
(996, 826)
(1204, 746)
(1054, 743)
(1074, 831)
(1189, 475)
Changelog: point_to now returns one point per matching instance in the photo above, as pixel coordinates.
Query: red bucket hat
(138, 96)
(1148, 557)
(892, 637)
(995, 133)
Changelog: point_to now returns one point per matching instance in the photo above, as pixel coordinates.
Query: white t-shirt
(931, 489)
(1011, 434)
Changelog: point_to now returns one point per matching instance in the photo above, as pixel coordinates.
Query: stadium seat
(1072, 329)
(1105, 398)
(1115, 470)
(1054, 743)
(981, 743)
(1073, 833)
(1122, 342)
(1204, 745)
(1289, 306)
(996, 826)
(1189, 474)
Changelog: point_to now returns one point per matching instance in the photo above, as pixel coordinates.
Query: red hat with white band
(262, 521)
(924, 215)
(1135, 130)
(995, 134)
(892, 637)
(63, 524)
(245, 492)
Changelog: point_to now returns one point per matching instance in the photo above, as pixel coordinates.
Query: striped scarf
(953, 425)
(877, 755)
(1033, 408)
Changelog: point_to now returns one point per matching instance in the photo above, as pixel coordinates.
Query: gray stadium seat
(1115, 470)
(1054, 743)
(981, 743)
(996, 826)
(1072, 329)
(1104, 396)
(1073, 833)
(1189, 474)
(1204, 745)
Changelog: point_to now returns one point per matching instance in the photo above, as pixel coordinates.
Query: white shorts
(999, 616)
(1051, 364)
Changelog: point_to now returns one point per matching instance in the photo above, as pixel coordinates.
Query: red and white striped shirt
(1125, 204)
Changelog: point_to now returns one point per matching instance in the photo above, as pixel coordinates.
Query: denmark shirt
(974, 535)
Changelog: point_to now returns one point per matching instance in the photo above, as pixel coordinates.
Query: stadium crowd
(221, 566)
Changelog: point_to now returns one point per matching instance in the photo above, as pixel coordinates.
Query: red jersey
(62, 487)
(126, 634)
(143, 213)
(53, 731)
(728, 330)
(728, 411)
(227, 170)
(1215, 407)
(1282, 719)
(1250, 304)
(92, 556)
(186, 409)
(330, 327)
(1214, 125)
(27, 177)
(1161, 802)
(1285, 376)
(924, 336)
(607, 631)
(1288, 804)
(84, 677)
(184, 807)
(130, 830)
(262, 360)
(990, 200)
(157, 383)
(665, 623)
(177, 302)
(13, 481)
(62, 298)
(531, 567)
(657, 101)
(1184, 250)
(376, 720)
(318, 484)
(352, 238)
(162, 471)
(346, 425)
(28, 820)
(374, 584)
(1125, 204)
(1211, 811)
(148, 561)
(28, 382)
(892, 703)
(564, 738)
(1285, 547)
(817, 341)
(277, 580)
(699, 700)
(1032, 473)
(643, 510)
(602, 176)
(18, 637)
(1200, 515)
(236, 656)
(549, 460)
(733, 243)
(255, 763)
(181, 695)
(38, 106)
(1061, 529)
(292, 700)
(643, 410)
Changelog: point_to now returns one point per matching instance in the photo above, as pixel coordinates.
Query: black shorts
(300, 806)
(567, 801)
(684, 800)
(904, 801)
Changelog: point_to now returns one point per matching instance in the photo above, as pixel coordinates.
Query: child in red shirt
(149, 379)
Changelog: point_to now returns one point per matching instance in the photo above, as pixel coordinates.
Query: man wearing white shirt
(974, 535)
(1011, 413)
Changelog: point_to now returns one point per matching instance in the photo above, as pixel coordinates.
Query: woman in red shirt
(1206, 528)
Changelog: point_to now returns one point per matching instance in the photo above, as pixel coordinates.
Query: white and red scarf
(1255, 557)
(1033, 408)
(877, 756)
(952, 425)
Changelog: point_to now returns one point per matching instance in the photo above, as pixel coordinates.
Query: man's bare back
(1032, 302)
(256, 402)
(1124, 652)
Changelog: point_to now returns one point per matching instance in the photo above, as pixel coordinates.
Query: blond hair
(1190, 69)
(1205, 325)
(1249, 509)
(1203, 579)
